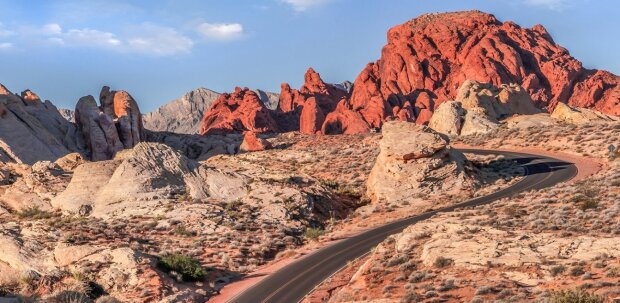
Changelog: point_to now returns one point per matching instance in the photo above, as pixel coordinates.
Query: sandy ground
(585, 166)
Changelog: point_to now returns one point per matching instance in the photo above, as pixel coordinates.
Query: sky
(159, 50)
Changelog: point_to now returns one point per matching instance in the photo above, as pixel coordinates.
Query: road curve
(293, 282)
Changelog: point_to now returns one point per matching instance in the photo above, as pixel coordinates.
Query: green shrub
(575, 296)
(189, 268)
(313, 233)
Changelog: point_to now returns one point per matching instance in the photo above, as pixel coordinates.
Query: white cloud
(158, 40)
(220, 31)
(145, 38)
(5, 45)
(302, 5)
(550, 4)
(89, 37)
(51, 29)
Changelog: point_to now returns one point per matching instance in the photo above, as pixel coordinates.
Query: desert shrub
(485, 290)
(182, 231)
(313, 233)
(34, 213)
(575, 296)
(556, 270)
(576, 271)
(442, 262)
(189, 268)
(613, 272)
(588, 203)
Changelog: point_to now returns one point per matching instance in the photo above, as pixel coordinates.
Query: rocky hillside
(33, 130)
(424, 63)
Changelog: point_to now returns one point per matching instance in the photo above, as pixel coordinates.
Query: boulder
(251, 143)
(477, 121)
(448, 118)
(414, 160)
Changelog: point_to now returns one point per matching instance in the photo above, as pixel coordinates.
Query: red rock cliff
(432, 55)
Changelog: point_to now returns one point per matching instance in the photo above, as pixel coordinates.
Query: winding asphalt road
(291, 283)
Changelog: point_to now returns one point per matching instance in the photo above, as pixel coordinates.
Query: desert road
(293, 282)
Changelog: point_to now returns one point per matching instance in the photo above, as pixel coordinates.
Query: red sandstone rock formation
(251, 143)
(312, 117)
(432, 55)
(239, 111)
(428, 58)
(344, 120)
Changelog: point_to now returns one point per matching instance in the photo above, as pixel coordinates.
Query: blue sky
(158, 50)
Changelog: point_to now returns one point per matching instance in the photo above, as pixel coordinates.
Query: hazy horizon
(159, 51)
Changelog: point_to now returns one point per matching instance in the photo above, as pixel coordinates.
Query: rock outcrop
(304, 109)
(123, 110)
(32, 130)
(448, 118)
(343, 120)
(436, 53)
(114, 126)
(239, 111)
(498, 102)
(97, 129)
(415, 160)
(479, 107)
(574, 115)
(183, 115)
(251, 143)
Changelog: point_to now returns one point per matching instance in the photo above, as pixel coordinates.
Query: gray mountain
(182, 115)
(270, 100)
